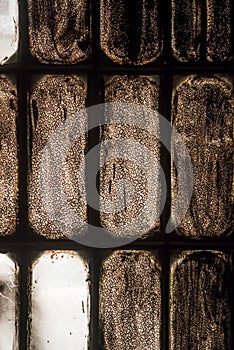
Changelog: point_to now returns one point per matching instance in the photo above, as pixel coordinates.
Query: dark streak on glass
(203, 116)
(131, 301)
(201, 292)
(8, 158)
(53, 100)
(130, 32)
(59, 30)
(186, 29)
(122, 167)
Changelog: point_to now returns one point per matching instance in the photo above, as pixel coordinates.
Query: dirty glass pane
(130, 31)
(219, 30)
(9, 30)
(200, 301)
(58, 204)
(59, 30)
(8, 157)
(130, 307)
(8, 303)
(130, 189)
(203, 115)
(186, 29)
(187, 33)
(60, 302)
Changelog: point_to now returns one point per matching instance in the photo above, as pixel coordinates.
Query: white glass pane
(8, 306)
(60, 302)
(9, 29)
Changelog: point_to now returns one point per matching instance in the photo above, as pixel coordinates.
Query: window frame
(24, 244)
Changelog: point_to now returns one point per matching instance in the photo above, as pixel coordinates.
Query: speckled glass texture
(129, 178)
(8, 157)
(219, 30)
(59, 31)
(130, 31)
(55, 99)
(203, 115)
(186, 29)
(200, 301)
(130, 301)
(201, 28)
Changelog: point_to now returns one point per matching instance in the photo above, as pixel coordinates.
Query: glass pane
(55, 100)
(187, 33)
(186, 29)
(201, 301)
(131, 301)
(8, 303)
(129, 177)
(8, 157)
(130, 32)
(60, 302)
(203, 116)
(59, 30)
(9, 30)
(219, 23)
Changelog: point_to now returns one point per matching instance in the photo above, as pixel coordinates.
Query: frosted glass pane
(59, 30)
(130, 32)
(129, 177)
(54, 100)
(200, 303)
(203, 115)
(9, 29)
(60, 302)
(8, 157)
(130, 306)
(8, 303)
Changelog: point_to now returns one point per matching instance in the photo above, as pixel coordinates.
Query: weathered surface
(186, 29)
(130, 190)
(54, 100)
(8, 303)
(131, 301)
(59, 30)
(200, 307)
(9, 29)
(60, 302)
(219, 30)
(203, 110)
(130, 31)
(189, 18)
(8, 157)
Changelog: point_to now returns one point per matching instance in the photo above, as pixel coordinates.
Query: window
(165, 290)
